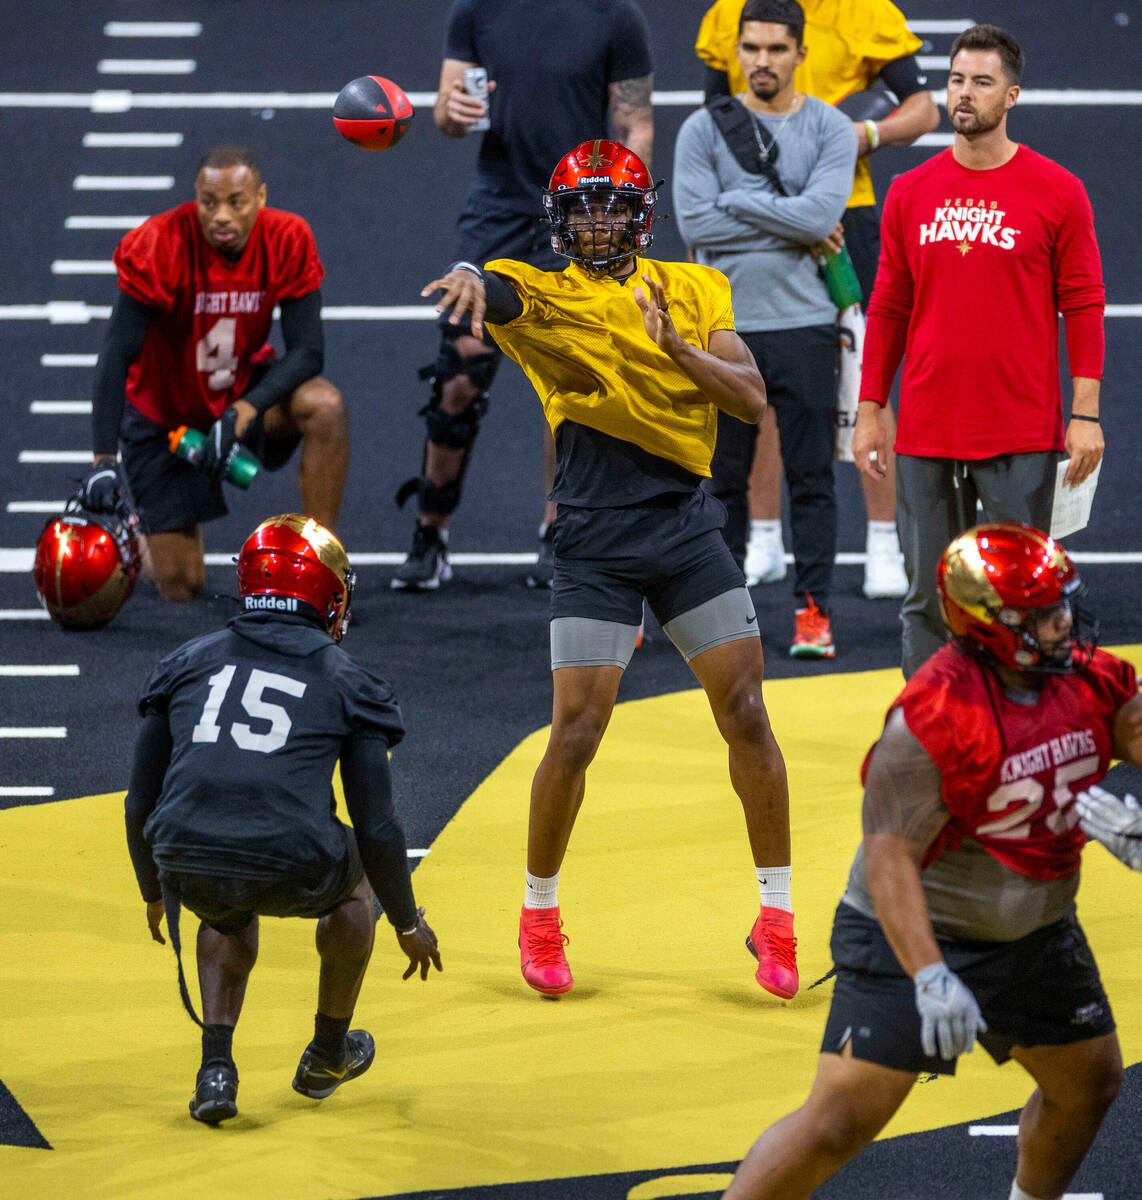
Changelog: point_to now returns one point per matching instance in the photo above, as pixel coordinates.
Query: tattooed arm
(903, 813)
(632, 115)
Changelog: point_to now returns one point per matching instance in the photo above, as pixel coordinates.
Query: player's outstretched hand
(420, 946)
(463, 293)
(1117, 824)
(656, 318)
(156, 910)
(949, 1014)
(220, 445)
(105, 489)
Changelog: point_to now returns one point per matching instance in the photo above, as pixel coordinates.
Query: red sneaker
(541, 957)
(772, 943)
(812, 634)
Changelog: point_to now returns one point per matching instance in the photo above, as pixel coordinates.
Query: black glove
(105, 489)
(219, 446)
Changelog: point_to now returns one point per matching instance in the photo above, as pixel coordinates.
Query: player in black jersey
(230, 810)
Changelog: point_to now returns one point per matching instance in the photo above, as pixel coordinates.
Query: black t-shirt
(258, 714)
(553, 62)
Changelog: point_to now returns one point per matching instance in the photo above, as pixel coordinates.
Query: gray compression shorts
(588, 642)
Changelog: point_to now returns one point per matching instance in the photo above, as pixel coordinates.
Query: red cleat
(813, 634)
(772, 943)
(541, 957)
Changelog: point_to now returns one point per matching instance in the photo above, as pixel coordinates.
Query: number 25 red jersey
(211, 315)
(1011, 771)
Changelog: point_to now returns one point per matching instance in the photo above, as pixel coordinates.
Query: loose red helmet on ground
(295, 558)
(992, 577)
(372, 112)
(85, 566)
(595, 171)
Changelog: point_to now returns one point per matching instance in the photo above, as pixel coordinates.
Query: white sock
(1017, 1193)
(771, 529)
(774, 884)
(540, 892)
(883, 531)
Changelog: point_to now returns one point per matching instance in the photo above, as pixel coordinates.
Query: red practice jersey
(975, 267)
(1011, 771)
(212, 315)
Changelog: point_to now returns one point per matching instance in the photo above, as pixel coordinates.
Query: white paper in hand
(1071, 509)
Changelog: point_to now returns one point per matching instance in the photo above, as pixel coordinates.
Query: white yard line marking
(993, 1130)
(146, 66)
(418, 853)
(56, 312)
(24, 614)
(367, 312)
(152, 29)
(34, 670)
(68, 360)
(83, 266)
(33, 731)
(35, 506)
(123, 183)
(86, 222)
(17, 790)
(118, 140)
(54, 456)
(958, 25)
(53, 408)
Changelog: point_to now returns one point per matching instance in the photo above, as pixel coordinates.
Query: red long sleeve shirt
(975, 267)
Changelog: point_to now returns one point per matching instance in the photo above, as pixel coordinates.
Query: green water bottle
(841, 278)
(186, 443)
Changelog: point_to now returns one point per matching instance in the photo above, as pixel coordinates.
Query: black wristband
(1080, 417)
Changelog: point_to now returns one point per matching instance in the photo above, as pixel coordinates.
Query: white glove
(948, 1010)
(1117, 824)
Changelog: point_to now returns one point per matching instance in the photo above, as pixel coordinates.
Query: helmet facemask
(600, 228)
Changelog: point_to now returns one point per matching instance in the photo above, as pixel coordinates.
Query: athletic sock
(765, 528)
(1017, 1193)
(774, 884)
(217, 1046)
(886, 530)
(540, 891)
(329, 1036)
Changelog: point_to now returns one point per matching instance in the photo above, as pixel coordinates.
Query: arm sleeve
(126, 333)
(697, 189)
(629, 55)
(1079, 292)
(304, 356)
(152, 757)
(503, 302)
(889, 310)
(814, 213)
(902, 77)
(367, 781)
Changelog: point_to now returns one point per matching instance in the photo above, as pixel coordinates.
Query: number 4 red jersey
(212, 315)
(1011, 771)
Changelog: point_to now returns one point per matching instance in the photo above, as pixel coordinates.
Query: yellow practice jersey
(581, 341)
(849, 43)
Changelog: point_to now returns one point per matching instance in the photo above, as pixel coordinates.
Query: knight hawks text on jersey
(228, 302)
(969, 221)
(1052, 753)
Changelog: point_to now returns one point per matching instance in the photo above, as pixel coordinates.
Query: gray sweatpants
(935, 502)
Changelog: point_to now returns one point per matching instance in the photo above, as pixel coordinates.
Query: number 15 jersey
(211, 315)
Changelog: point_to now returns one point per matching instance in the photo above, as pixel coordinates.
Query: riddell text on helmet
(279, 603)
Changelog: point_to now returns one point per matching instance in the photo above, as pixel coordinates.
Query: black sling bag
(742, 134)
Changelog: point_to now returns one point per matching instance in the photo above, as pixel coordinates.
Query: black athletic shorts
(229, 904)
(171, 494)
(669, 550)
(1041, 990)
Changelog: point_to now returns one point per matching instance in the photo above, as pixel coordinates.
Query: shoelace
(545, 943)
(781, 946)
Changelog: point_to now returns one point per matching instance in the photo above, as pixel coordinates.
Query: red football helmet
(599, 188)
(993, 577)
(85, 566)
(293, 557)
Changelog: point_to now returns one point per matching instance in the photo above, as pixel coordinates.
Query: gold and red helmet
(85, 566)
(601, 184)
(293, 557)
(992, 578)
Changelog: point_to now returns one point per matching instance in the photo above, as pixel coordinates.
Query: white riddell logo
(967, 224)
(279, 603)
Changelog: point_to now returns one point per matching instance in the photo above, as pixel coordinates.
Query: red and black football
(372, 112)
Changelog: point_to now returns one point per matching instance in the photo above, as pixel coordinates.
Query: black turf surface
(469, 663)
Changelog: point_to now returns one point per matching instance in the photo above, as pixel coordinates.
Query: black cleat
(215, 1095)
(317, 1077)
(542, 575)
(426, 566)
